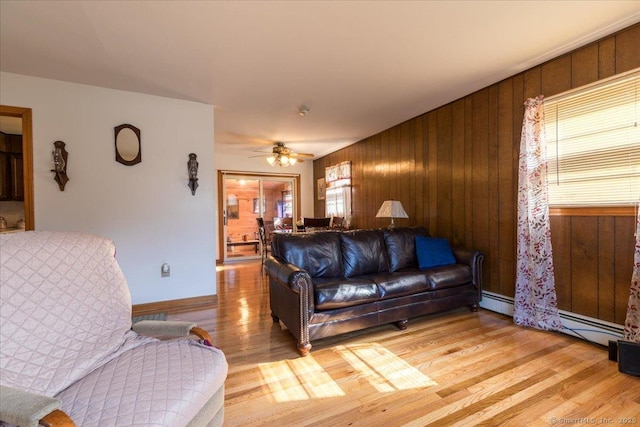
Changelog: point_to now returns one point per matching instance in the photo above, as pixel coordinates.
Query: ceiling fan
(283, 156)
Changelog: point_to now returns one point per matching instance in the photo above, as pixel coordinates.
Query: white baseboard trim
(577, 325)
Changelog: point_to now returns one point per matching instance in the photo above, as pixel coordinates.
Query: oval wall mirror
(128, 150)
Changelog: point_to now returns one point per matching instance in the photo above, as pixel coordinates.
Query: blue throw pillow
(433, 252)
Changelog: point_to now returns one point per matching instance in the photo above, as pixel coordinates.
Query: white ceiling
(360, 66)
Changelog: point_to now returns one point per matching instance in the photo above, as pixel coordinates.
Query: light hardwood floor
(456, 368)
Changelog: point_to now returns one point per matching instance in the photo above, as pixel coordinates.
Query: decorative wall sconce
(60, 156)
(192, 165)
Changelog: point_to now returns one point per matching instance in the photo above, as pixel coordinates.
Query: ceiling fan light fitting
(282, 156)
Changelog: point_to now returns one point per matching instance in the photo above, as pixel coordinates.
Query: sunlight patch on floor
(304, 378)
(384, 370)
(299, 379)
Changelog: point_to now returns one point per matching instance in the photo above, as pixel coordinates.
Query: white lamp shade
(391, 209)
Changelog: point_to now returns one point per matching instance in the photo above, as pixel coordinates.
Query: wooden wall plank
(584, 267)
(393, 144)
(480, 184)
(556, 76)
(584, 66)
(628, 49)
(561, 243)
(377, 175)
(444, 172)
(458, 173)
(359, 165)
(624, 249)
(605, 263)
(407, 170)
(493, 216)
(384, 185)
(607, 58)
(426, 173)
(532, 83)
(419, 168)
(506, 210)
(433, 173)
(468, 172)
(366, 219)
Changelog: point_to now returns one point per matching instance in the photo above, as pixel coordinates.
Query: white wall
(147, 209)
(230, 162)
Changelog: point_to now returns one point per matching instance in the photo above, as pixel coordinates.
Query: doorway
(16, 168)
(245, 196)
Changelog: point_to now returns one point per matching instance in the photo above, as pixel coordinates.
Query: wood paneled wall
(455, 171)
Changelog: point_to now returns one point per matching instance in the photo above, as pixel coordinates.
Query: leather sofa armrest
(288, 275)
(291, 299)
(171, 328)
(27, 409)
(474, 260)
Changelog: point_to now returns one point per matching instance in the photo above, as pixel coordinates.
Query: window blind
(593, 145)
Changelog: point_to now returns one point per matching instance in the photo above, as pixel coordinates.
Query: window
(593, 145)
(338, 192)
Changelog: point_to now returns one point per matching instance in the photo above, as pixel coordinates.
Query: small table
(255, 243)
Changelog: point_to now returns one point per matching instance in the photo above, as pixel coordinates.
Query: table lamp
(391, 209)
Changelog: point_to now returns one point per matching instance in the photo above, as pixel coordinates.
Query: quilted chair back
(65, 308)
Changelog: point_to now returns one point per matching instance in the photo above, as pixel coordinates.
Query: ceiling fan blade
(304, 155)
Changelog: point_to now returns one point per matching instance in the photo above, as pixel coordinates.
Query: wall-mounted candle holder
(60, 156)
(192, 165)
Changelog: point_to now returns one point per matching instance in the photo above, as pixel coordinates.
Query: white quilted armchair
(68, 353)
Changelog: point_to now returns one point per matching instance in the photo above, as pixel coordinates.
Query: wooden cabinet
(17, 178)
(5, 169)
(11, 168)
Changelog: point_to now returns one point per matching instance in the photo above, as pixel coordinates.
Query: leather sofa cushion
(401, 246)
(338, 293)
(411, 281)
(317, 253)
(363, 252)
(399, 284)
(448, 276)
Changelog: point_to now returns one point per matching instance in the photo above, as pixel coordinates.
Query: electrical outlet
(165, 270)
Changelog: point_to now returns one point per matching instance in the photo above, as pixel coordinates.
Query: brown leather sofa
(328, 283)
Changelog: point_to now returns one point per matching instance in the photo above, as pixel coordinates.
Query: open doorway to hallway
(246, 196)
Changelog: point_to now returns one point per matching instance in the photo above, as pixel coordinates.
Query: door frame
(256, 175)
(27, 159)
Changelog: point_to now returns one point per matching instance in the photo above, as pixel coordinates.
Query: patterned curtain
(535, 300)
(632, 324)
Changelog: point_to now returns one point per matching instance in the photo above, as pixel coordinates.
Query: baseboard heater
(577, 325)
